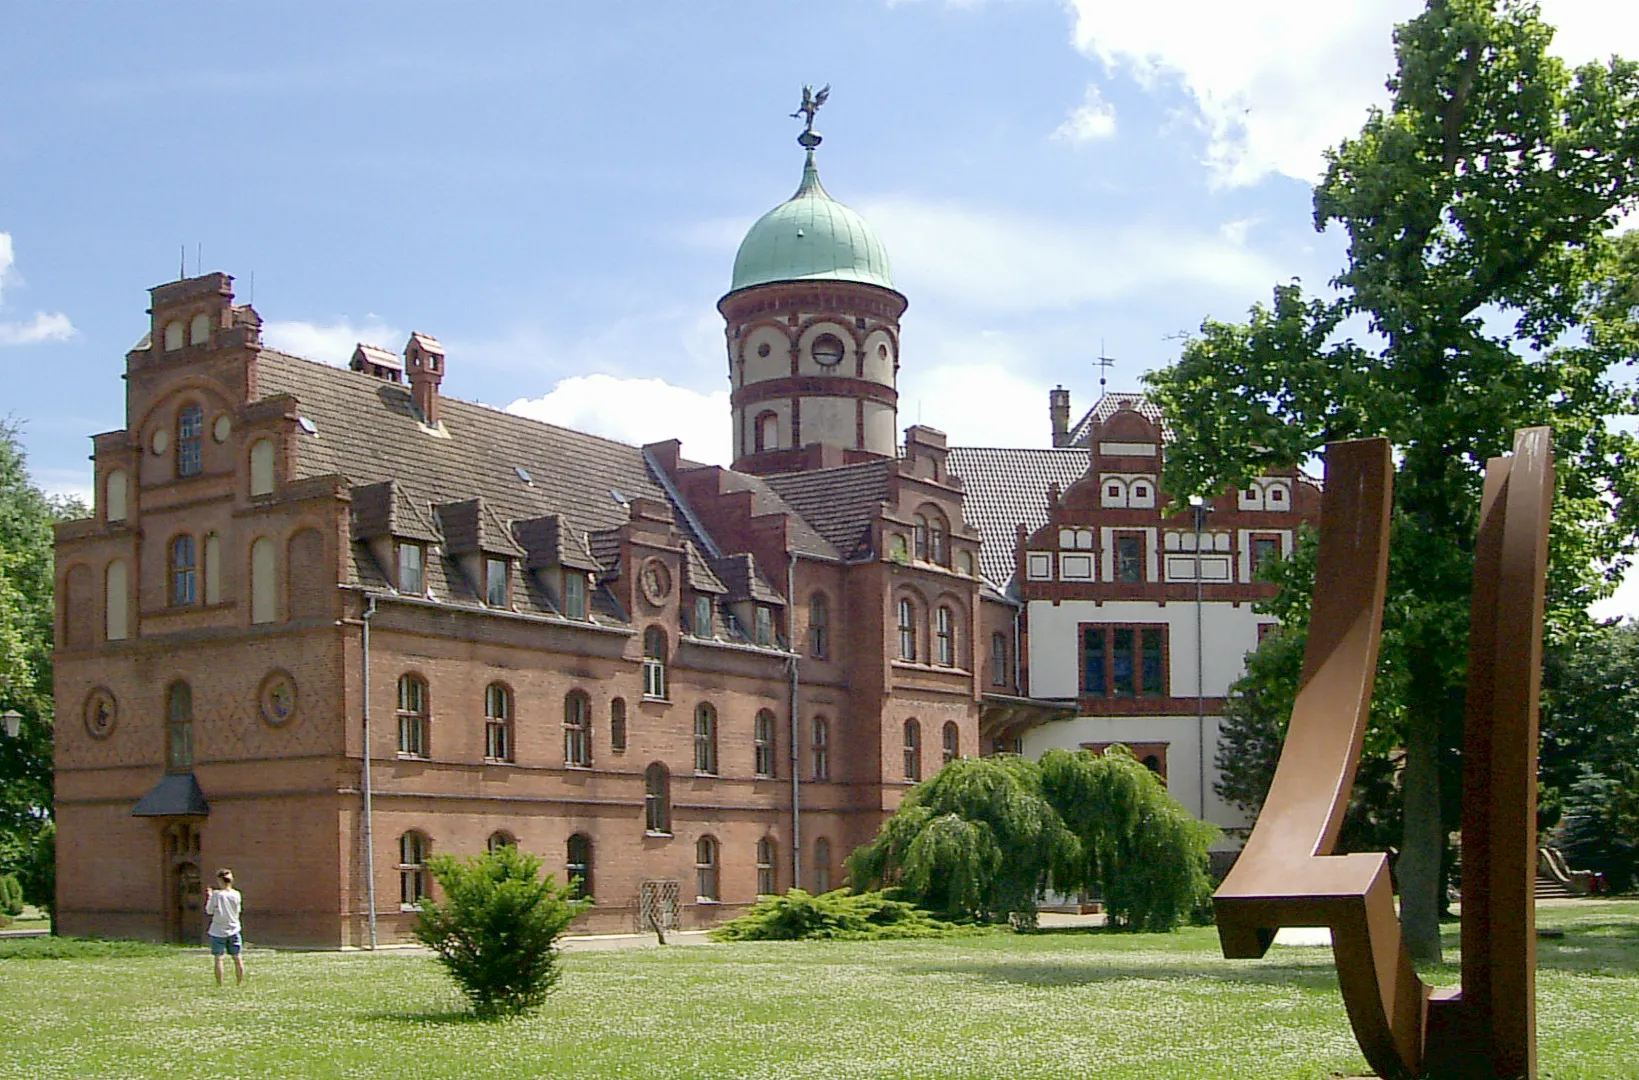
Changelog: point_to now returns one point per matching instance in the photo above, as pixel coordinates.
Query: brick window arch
(762, 735)
(414, 720)
(498, 722)
(190, 441)
(179, 727)
(577, 730)
(944, 636)
(578, 864)
(413, 884)
(819, 626)
(907, 628)
(913, 750)
(499, 839)
(706, 878)
(705, 739)
(617, 725)
(657, 799)
(952, 739)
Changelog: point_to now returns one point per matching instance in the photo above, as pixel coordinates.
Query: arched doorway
(184, 897)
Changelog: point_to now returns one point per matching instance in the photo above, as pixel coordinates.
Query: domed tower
(813, 332)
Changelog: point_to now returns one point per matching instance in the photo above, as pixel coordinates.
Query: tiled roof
(745, 581)
(1111, 403)
(697, 573)
(766, 499)
(369, 432)
(838, 503)
(1004, 487)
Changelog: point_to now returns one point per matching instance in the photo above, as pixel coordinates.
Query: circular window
(222, 427)
(278, 698)
(827, 350)
(102, 713)
(763, 350)
(161, 441)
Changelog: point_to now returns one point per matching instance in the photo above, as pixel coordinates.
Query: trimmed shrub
(837, 915)
(496, 930)
(11, 896)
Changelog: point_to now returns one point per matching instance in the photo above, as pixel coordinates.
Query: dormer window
(765, 625)
(412, 569)
(702, 616)
(574, 594)
(190, 440)
(495, 582)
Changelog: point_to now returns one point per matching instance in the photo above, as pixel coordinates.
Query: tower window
(190, 438)
(828, 350)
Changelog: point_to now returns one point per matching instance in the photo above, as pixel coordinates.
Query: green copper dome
(810, 237)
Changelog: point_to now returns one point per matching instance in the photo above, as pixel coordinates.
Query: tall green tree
(26, 617)
(1490, 295)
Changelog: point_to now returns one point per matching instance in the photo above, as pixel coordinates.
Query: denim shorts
(230, 944)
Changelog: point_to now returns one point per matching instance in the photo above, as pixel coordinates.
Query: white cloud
(999, 262)
(331, 342)
(66, 483)
(981, 402)
(1093, 119)
(638, 411)
(1275, 82)
(43, 327)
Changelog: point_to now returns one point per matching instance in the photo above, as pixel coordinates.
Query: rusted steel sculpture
(1287, 874)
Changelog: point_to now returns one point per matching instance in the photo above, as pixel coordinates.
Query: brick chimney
(1058, 407)
(424, 361)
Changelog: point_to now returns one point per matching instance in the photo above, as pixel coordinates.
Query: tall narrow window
(578, 865)
(497, 722)
(495, 582)
(1121, 661)
(998, 659)
(1150, 661)
(261, 467)
(767, 435)
(822, 865)
(765, 867)
(763, 737)
(412, 569)
(913, 750)
(114, 500)
(702, 617)
(184, 572)
(765, 625)
(705, 870)
(822, 748)
(190, 441)
(617, 725)
(922, 531)
(705, 739)
(179, 727)
(263, 584)
(1093, 680)
(413, 720)
(413, 849)
(577, 730)
(907, 630)
(574, 593)
(654, 663)
(1129, 557)
(936, 540)
(213, 569)
(944, 636)
(657, 799)
(116, 600)
(199, 330)
(174, 332)
(819, 626)
(1264, 549)
(952, 739)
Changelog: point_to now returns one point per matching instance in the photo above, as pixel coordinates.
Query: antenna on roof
(1104, 364)
(181, 261)
(198, 257)
(252, 298)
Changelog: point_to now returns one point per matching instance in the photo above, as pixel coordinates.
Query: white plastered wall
(829, 420)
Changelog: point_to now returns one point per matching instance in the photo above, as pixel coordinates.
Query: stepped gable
(1111, 403)
(841, 503)
(1005, 487)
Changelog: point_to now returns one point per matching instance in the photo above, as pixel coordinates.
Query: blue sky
(555, 191)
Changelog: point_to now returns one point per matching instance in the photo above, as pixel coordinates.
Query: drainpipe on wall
(796, 754)
(1198, 504)
(369, 837)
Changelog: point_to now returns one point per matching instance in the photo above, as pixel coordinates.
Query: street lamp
(13, 721)
(1200, 509)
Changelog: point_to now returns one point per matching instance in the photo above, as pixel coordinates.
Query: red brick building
(325, 623)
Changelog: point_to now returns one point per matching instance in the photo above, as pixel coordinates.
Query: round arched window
(828, 350)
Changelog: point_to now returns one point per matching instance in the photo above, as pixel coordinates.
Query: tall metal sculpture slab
(1288, 875)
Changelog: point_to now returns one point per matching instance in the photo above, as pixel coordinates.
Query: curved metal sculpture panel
(1288, 875)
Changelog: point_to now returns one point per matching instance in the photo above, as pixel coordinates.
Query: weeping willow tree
(984, 837)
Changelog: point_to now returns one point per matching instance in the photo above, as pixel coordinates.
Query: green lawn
(999, 1005)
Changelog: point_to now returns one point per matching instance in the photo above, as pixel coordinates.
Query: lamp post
(1198, 506)
(13, 722)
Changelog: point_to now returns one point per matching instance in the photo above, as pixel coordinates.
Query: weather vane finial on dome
(811, 101)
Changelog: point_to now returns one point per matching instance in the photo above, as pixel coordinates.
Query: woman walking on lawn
(222, 905)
